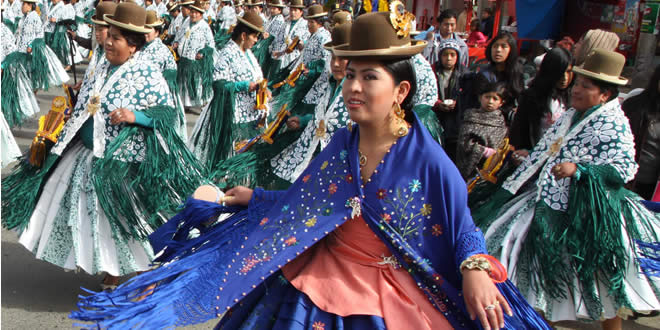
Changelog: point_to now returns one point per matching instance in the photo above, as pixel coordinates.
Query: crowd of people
(345, 171)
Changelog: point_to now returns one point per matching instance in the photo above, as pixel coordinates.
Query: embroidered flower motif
(382, 193)
(263, 221)
(332, 188)
(343, 154)
(415, 185)
(311, 222)
(386, 217)
(285, 208)
(426, 209)
(327, 211)
(436, 230)
(291, 241)
(349, 178)
(324, 165)
(306, 178)
(249, 263)
(318, 325)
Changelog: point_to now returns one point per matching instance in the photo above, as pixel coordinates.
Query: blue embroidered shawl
(416, 202)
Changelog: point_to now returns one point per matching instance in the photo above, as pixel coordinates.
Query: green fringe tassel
(238, 170)
(430, 121)
(21, 191)
(59, 43)
(171, 79)
(192, 73)
(10, 103)
(260, 51)
(38, 65)
(218, 129)
(484, 189)
(487, 213)
(221, 39)
(151, 189)
(11, 25)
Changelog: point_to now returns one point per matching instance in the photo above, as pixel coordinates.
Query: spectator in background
(487, 22)
(445, 30)
(545, 100)
(476, 37)
(591, 40)
(643, 111)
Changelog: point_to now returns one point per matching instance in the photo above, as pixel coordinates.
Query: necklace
(362, 160)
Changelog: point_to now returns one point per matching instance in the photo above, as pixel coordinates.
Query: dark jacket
(645, 125)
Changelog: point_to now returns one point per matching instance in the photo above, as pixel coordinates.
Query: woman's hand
(484, 300)
(240, 196)
(28, 50)
(564, 170)
(175, 45)
(76, 87)
(293, 123)
(122, 115)
(53, 20)
(253, 86)
(265, 35)
(198, 56)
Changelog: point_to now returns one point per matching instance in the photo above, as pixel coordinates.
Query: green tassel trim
(221, 39)
(11, 25)
(38, 65)
(170, 77)
(238, 170)
(487, 213)
(215, 136)
(21, 191)
(484, 189)
(260, 51)
(10, 104)
(590, 234)
(429, 120)
(150, 190)
(59, 43)
(193, 73)
(292, 96)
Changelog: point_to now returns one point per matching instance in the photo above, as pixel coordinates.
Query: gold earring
(401, 128)
(398, 111)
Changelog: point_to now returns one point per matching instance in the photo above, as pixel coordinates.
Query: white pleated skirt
(10, 151)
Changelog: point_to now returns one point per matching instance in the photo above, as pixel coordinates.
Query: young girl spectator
(476, 37)
(482, 131)
(543, 102)
(448, 72)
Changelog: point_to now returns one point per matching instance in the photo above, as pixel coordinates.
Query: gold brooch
(401, 19)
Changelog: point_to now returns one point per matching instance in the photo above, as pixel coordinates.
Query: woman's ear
(402, 91)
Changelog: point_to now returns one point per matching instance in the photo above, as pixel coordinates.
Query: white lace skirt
(505, 239)
(68, 227)
(56, 73)
(10, 150)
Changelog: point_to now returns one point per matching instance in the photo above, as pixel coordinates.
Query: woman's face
(117, 49)
(500, 51)
(338, 67)
(370, 92)
(101, 33)
(195, 16)
(26, 7)
(312, 26)
(274, 11)
(295, 13)
(249, 40)
(566, 79)
(585, 94)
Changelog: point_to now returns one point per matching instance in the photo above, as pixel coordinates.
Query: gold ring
(490, 307)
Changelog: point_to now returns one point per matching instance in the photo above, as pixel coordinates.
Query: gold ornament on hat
(401, 19)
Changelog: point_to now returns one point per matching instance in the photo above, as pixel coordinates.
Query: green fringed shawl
(429, 120)
(193, 73)
(151, 189)
(38, 65)
(292, 96)
(239, 170)
(260, 51)
(10, 103)
(484, 189)
(59, 43)
(11, 25)
(221, 39)
(171, 79)
(21, 191)
(215, 137)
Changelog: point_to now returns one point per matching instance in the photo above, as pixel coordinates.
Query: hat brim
(157, 24)
(30, 1)
(316, 16)
(416, 47)
(197, 8)
(620, 81)
(250, 25)
(175, 7)
(329, 45)
(276, 5)
(97, 22)
(130, 27)
(297, 6)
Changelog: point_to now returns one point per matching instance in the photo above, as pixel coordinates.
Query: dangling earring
(402, 127)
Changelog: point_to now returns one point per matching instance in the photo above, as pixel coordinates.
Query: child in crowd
(476, 37)
(448, 73)
(482, 130)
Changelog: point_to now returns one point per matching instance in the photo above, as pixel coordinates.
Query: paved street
(38, 295)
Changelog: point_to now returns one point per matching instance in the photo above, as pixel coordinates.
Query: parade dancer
(175, 19)
(352, 244)
(295, 29)
(226, 17)
(231, 116)
(156, 52)
(275, 31)
(197, 49)
(117, 171)
(55, 32)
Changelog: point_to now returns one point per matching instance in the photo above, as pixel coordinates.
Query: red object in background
(656, 195)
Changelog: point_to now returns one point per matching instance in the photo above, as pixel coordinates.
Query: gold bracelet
(476, 261)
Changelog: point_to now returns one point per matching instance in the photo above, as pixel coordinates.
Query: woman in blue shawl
(385, 178)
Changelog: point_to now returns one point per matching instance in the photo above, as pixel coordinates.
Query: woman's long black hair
(543, 87)
(513, 70)
(403, 70)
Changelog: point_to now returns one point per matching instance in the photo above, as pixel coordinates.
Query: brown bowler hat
(316, 11)
(297, 4)
(276, 3)
(104, 7)
(603, 65)
(186, 3)
(129, 16)
(253, 3)
(252, 20)
(341, 17)
(172, 6)
(341, 35)
(152, 19)
(374, 36)
(198, 5)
